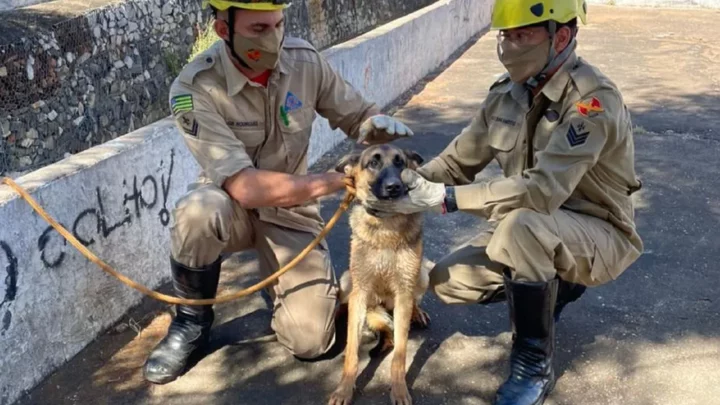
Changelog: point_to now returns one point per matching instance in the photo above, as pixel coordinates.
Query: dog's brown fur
(385, 273)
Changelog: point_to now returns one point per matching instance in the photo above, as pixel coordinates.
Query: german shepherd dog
(386, 274)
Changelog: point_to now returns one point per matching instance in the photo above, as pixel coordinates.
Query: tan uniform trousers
(208, 223)
(536, 247)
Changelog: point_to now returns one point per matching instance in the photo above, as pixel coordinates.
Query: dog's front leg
(357, 310)
(403, 313)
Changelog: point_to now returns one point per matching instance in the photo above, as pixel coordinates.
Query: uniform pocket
(610, 248)
(251, 138)
(503, 140)
(296, 132)
(298, 120)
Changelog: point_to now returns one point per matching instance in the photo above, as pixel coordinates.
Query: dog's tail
(379, 320)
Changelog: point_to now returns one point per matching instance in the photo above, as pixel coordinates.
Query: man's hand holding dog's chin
(422, 196)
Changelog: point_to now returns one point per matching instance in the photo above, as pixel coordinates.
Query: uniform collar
(555, 87)
(235, 79)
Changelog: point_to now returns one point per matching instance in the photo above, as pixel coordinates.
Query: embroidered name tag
(503, 120)
(243, 124)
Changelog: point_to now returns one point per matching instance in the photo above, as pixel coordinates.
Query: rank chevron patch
(576, 138)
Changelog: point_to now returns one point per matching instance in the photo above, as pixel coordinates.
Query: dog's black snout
(393, 187)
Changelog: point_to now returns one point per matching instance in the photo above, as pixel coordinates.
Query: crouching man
(246, 108)
(563, 210)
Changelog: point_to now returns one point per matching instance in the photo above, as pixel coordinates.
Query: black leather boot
(190, 329)
(532, 376)
(567, 292)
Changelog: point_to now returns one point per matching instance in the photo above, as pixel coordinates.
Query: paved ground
(652, 337)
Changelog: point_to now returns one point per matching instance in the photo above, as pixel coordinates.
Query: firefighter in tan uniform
(246, 108)
(563, 213)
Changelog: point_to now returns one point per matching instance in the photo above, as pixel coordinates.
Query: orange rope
(344, 205)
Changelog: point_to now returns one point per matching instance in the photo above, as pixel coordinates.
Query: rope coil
(344, 205)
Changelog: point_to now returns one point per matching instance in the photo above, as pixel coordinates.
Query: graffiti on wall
(142, 195)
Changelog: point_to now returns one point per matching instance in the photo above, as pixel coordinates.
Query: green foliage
(172, 61)
(205, 39)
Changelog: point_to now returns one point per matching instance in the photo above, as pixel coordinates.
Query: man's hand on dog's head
(422, 195)
(382, 128)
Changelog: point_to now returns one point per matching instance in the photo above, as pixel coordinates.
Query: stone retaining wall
(77, 73)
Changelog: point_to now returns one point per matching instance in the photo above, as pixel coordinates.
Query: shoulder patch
(577, 134)
(189, 124)
(297, 43)
(589, 108)
(181, 103)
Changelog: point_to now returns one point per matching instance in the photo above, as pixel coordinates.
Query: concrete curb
(117, 198)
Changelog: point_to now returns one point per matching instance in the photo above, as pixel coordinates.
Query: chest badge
(292, 103)
(552, 115)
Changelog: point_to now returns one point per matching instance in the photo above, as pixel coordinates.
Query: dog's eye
(397, 161)
(373, 164)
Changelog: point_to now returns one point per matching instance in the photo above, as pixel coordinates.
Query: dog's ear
(414, 157)
(347, 163)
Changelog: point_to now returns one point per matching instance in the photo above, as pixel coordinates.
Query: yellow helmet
(257, 5)
(508, 14)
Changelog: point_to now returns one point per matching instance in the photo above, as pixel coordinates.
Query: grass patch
(640, 130)
(172, 61)
(205, 39)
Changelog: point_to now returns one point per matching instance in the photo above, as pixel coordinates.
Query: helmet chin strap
(554, 59)
(231, 41)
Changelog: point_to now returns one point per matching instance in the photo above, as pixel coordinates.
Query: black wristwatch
(450, 202)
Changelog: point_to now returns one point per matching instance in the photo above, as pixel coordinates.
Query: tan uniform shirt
(230, 123)
(572, 148)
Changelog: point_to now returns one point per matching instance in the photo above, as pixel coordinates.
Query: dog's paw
(399, 395)
(420, 318)
(385, 345)
(341, 396)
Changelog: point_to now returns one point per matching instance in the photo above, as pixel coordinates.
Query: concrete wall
(117, 198)
(77, 73)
